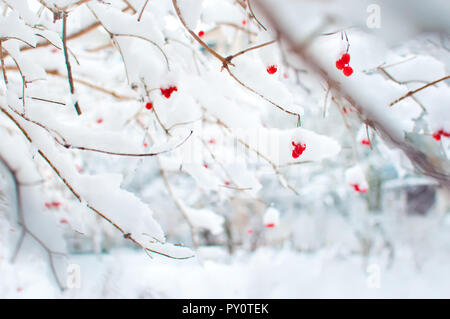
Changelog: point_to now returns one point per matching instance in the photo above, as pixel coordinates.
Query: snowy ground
(265, 274)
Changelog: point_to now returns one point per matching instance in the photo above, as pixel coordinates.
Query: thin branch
(253, 15)
(410, 93)
(3, 63)
(66, 57)
(231, 57)
(142, 11)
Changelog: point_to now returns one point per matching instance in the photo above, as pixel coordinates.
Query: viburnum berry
(244, 22)
(271, 69)
(145, 144)
(298, 149)
(365, 142)
(250, 231)
(358, 189)
(201, 33)
(227, 183)
(48, 205)
(149, 105)
(345, 58)
(168, 91)
(340, 64)
(64, 221)
(343, 64)
(438, 135)
(56, 204)
(212, 141)
(99, 121)
(270, 225)
(206, 165)
(348, 70)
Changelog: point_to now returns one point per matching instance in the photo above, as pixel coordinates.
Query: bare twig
(410, 93)
(3, 63)
(66, 57)
(142, 11)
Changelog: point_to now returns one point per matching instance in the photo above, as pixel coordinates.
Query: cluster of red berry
(298, 149)
(168, 92)
(358, 189)
(271, 69)
(343, 64)
(437, 136)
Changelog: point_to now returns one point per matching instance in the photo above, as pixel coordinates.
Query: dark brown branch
(66, 57)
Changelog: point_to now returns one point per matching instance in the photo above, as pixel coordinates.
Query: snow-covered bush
(149, 124)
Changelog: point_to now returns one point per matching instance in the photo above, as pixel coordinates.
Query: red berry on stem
(201, 33)
(365, 142)
(270, 225)
(271, 69)
(149, 105)
(345, 58)
(348, 71)
(340, 64)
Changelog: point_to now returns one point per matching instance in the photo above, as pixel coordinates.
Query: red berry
(56, 204)
(365, 142)
(270, 225)
(348, 71)
(244, 22)
(437, 136)
(145, 144)
(48, 205)
(64, 221)
(201, 33)
(99, 121)
(212, 141)
(227, 183)
(298, 149)
(444, 133)
(340, 64)
(358, 189)
(149, 105)
(206, 165)
(345, 58)
(271, 69)
(168, 92)
(250, 231)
